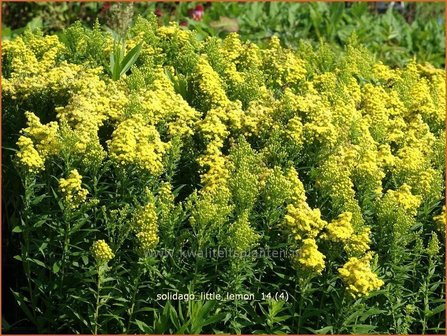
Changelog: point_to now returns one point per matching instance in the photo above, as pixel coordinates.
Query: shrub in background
(393, 33)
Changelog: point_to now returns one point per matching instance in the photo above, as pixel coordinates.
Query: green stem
(29, 191)
(303, 285)
(65, 250)
(134, 295)
(98, 297)
(294, 303)
(426, 285)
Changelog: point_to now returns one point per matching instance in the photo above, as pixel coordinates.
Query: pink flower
(105, 7)
(158, 12)
(196, 13)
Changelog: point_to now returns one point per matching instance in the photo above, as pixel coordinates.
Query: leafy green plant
(121, 63)
(304, 186)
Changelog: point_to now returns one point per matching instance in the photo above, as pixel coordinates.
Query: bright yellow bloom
(302, 221)
(309, 257)
(146, 218)
(441, 220)
(359, 243)
(74, 194)
(135, 142)
(340, 229)
(402, 198)
(358, 277)
(45, 137)
(145, 224)
(102, 252)
(28, 157)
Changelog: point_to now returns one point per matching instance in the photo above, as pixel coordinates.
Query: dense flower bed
(222, 144)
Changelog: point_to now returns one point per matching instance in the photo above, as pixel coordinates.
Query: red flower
(184, 23)
(158, 12)
(105, 7)
(196, 13)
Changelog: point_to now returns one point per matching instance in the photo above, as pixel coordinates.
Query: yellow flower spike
(147, 239)
(146, 218)
(358, 277)
(74, 194)
(404, 199)
(210, 85)
(358, 243)
(102, 252)
(441, 220)
(303, 220)
(340, 229)
(433, 247)
(309, 257)
(45, 137)
(133, 141)
(297, 188)
(28, 157)
(145, 224)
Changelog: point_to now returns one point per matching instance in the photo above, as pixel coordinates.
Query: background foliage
(393, 34)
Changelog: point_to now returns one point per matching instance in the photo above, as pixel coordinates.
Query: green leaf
(437, 310)
(143, 326)
(56, 267)
(37, 262)
(17, 229)
(130, 59)
(22, 302)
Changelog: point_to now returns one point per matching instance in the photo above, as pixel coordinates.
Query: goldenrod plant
(301, 190)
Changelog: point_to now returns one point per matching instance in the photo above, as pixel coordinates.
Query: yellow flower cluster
(165, 193)
(257, 118)
(301, 220)
(334, 179)
(433, 246)
(402, 198)
(304, 224)
(396, 212)
(173, 31)
(375, 143)
(359, 243)
(309, 257)
(243, 237)
(210, 86)
(134, 142)
(160, 103)
(45, 137)
(28, 157)
(37, 143)
(35, 66)
(359, 278)
(147, 239)
(102, 252)
(340, 229)
(146, 226)
(304, 221)
(441, 220)
(72, 190)
(297, 192)
(282, 65)
(146, 218)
